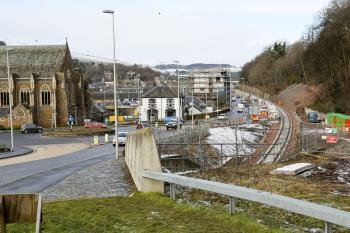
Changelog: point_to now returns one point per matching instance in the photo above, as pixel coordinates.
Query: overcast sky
(156, 31)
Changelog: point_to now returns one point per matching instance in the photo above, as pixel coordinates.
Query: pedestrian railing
(328, 215)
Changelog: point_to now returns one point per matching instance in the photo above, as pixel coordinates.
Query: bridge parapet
(141, 154)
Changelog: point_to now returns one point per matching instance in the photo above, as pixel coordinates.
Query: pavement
(38, 152)
(20, 150)
(36, 176)
(63, 167)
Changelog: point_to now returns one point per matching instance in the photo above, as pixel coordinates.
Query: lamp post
(192, 96)
(231, 93)
(178, 93)
(10, 94)
(115, 87)
(217, 101)
(138, 98)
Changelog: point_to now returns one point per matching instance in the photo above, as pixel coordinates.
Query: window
(152, 103)
(45, 95)
(170, 103)
(4, 96)
(24, 96)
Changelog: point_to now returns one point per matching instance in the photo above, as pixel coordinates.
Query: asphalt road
(36, 138)
(36, 176)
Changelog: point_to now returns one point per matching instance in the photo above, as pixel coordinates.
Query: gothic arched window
(24, 95)
(45, 95)
(4, 96)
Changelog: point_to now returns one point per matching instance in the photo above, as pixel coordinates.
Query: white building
(159, 103)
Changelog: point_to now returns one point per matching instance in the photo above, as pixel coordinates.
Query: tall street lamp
(178, 92)
(10, 94)
(115, 88)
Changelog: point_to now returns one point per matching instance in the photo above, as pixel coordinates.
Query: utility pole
(217, 101)
(192, 96)
(236, 136)
(178, 96)
(115, 88)
(138, 87)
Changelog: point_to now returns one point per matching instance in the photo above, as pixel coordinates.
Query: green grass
(140, 213)
(76, 131)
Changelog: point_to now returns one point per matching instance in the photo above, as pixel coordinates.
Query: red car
(94, 125)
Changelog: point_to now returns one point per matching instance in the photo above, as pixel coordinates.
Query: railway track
(279, 146)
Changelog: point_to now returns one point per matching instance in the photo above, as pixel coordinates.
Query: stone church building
(45, 86)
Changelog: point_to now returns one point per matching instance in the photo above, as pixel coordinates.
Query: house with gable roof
(161, 102)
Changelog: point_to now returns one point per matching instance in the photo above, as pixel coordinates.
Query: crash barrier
(328, 215)
(20, 208)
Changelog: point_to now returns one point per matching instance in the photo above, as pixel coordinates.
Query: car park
(31, 128)
(121, 138)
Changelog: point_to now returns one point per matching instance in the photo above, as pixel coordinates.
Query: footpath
(21, 150)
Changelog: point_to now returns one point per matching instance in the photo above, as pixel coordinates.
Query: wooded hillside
(322, 56)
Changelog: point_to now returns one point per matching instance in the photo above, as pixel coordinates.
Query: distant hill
(95, 71)
(192, 66)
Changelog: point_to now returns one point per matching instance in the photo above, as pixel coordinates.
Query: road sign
(331, 139)
(328, 130)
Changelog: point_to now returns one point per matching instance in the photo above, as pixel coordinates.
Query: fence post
(315, 146)
(38, 215)
(302, 135)
(328, 227)
(2, 216)
(236, 136)
(220, 150)
(231, 205)
(172, 191)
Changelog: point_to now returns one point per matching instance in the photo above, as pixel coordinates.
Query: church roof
(40, 59)
(160, 92)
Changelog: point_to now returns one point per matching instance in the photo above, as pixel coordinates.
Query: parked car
(31, 128)
(169, 119)
(222, 117)
(312, 117)
(245, 103)
(94, 125)
(171, 125)
(121, 138)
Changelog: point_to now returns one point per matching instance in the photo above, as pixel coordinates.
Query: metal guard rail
(317, 211)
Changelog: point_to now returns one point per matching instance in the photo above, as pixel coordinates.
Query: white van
(240, 108)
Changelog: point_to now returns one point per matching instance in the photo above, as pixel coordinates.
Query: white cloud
(189, 31)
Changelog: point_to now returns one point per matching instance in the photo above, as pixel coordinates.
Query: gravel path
(104, 179)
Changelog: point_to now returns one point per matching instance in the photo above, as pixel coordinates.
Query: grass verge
(139, 213)
(76, 131)
(322, 188)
